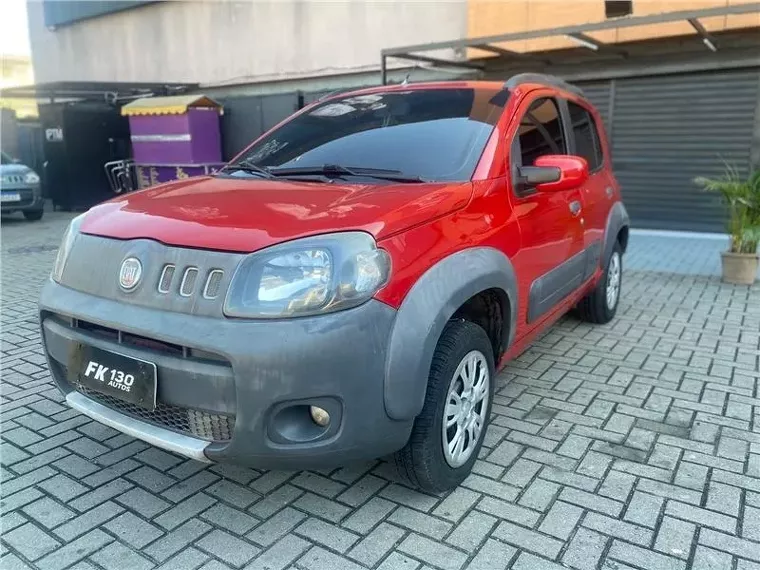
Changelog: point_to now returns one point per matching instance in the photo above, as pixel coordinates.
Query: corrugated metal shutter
(669, 129)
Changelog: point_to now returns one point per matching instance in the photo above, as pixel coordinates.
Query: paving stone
(361, 490)
(274, 501)
(368, 515)
(233, 520)
(736, 546)
(184, 511)
(281, 554)
(701, 516)
(724, 498)
(376, 544)
(585, 549)
(397, 561)
(230, 549)
(88, 521)
(456, 504)
(561, 520)
(618, 529)
(321, 507)
(62, 487)
(469, 534)
(674, 537)
(527, 539)
(177, 540)
(421, 522)
(146, 504)
(644, 509)
(30, 541)
(275, 527)
(226, 491)
(74, 551)
(508, 511)
(48, 512)
(321, 559)
(711, 559)
(591, 501)
(643, 557)
(327, 534)
(432, 552)
(116, 556)
(188, 559)
(133, 530)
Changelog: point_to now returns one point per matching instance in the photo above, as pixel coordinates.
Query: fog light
(320, 416)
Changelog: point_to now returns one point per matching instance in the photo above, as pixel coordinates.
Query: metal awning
(578, 34)
(94, 90)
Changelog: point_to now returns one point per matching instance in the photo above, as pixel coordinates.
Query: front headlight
(31, 178)
(308, 276)
(65, 249)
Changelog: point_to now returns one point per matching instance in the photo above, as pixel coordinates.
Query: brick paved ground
(634, 445)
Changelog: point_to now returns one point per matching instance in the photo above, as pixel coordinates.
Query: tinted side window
(541, 132)
(586, 136)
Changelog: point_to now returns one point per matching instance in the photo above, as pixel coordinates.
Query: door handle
(575, 207)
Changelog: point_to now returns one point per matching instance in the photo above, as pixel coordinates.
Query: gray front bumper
(265, 374)
(31, 199)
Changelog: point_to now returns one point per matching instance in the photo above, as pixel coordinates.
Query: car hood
(245, 215)
(8, 169)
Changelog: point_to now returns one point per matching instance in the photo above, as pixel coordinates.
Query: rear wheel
(601, 304)
(33, 215)
(448, 433)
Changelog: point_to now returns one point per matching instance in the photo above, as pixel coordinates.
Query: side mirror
(555, 172)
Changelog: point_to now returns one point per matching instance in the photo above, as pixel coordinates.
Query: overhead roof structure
(94, 90)
(577, 34)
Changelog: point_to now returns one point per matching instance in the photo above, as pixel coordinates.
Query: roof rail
(543, 78)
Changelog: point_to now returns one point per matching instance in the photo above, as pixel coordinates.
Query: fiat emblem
(130, 273)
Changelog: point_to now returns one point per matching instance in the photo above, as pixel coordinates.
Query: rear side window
(540, 132)
(586, 135)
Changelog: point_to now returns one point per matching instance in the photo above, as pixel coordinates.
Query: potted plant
(742, 197)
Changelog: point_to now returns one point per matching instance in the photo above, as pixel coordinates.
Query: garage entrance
(667, 130)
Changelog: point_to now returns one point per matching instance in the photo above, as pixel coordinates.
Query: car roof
(522, 80)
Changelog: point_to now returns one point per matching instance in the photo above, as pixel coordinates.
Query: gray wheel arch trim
(427, 308)
(617, 219)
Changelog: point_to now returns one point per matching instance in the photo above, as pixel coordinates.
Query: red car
(348, 286)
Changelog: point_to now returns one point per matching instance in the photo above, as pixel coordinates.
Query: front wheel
(448, 433)
(601, 304)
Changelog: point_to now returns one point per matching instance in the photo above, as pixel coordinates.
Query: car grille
(138, 341)
(197, 423)
(187, 281)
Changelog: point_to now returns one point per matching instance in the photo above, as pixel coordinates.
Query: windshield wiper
(338, 171)
(247, 167)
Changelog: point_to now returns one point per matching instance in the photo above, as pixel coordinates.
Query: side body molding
(617, 219)
(425, 311)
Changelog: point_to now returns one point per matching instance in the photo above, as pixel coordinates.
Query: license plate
(129, 379)
(10, 197)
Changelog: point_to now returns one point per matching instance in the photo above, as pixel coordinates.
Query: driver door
(550, 262)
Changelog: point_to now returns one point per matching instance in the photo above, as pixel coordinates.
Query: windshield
(436, 134)
(5, 159)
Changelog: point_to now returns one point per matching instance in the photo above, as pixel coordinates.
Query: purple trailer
(174, 137)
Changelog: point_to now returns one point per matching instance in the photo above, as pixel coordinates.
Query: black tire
(422, 462)
(33, 215)
(594, 307)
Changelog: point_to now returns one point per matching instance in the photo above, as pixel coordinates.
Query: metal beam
(437, 61)
(500, 51)
(707, 39)
(596, 45)
(681, 15)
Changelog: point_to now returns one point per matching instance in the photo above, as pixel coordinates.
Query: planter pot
(739, 268)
